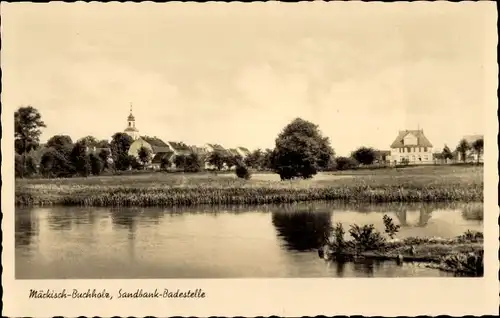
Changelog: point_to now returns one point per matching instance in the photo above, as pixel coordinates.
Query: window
(129, 124)
(419, 149)
(425, 149)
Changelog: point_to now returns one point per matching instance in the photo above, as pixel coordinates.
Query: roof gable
(245, 150)
(179, 146)
(422, 140)
(154, 141)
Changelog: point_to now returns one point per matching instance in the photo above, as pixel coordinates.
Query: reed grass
(160, 189)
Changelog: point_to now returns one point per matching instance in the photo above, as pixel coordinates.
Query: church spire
(131, 116)
(131, 129)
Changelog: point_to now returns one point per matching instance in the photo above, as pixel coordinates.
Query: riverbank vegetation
(419, 184)
(462, 255)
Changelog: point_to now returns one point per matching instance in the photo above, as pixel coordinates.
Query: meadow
(409, 184)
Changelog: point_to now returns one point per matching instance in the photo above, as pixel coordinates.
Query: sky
(236, 74)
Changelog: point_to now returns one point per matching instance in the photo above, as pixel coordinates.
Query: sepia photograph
(250, 141)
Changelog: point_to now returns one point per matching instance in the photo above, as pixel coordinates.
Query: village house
(471, 155)
(411, 146)
(157, 148)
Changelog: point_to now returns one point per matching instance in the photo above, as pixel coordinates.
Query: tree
(364, 155)
(123, 161)
(232, 160)
(61, 143)
(144, 156)
(165, 162)
(193, 163)
(216, 159)
(104, 155)
(266, 162)
(89, 141)
(96, 164)
(180, 161)
(254, 159)
(120, 145)
(134, 163)
(103, 144)
(462, 148)
(18, 165)
(27, 130)
(80, 160)
(55, 164)
(478, 147)
(25, 167)
(446, 153)
(301, 150)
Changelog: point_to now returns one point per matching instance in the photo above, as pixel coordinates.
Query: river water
(222, 242)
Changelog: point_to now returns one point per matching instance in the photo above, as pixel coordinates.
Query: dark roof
(422, 141)
(131, 129)
(158, 145)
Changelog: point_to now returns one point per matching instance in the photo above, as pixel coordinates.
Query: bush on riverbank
(462, 255)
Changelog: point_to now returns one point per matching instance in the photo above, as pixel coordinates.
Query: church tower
(131, 130)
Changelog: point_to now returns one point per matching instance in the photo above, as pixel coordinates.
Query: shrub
(338, 243)
(344, 163)
(364, 155)
(390, 228)
(471, 236)
(465, 264)
(243, 172)
(366, 237)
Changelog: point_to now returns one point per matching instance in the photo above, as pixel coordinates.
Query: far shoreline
(409, 185)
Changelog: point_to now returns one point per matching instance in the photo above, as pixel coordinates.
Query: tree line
(300, 152)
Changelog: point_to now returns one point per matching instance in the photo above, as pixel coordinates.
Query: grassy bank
(415, 184)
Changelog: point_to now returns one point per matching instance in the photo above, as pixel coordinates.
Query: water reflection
(302, 228)
(26, 229)
(473, 211)
(215, 241)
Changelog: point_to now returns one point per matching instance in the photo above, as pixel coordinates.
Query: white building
(411, 146)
